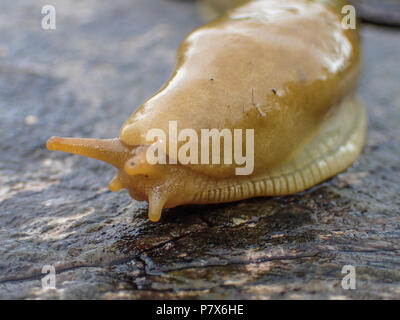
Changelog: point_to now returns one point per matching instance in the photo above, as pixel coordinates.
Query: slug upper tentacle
(285, 71)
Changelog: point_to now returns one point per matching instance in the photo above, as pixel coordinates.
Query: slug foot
(337, 145)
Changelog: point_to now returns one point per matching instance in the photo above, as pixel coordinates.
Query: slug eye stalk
(134, 172)
(112, 151)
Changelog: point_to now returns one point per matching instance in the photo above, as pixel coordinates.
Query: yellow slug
(285, 69)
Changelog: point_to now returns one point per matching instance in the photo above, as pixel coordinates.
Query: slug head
(162, 185)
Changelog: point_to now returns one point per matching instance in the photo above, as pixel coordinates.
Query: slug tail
(111, 151)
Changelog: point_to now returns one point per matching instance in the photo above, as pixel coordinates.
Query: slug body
(286, 69)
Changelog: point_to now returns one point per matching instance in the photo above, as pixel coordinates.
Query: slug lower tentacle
(281, 74)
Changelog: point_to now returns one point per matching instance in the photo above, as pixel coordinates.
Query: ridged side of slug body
(286, 69)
